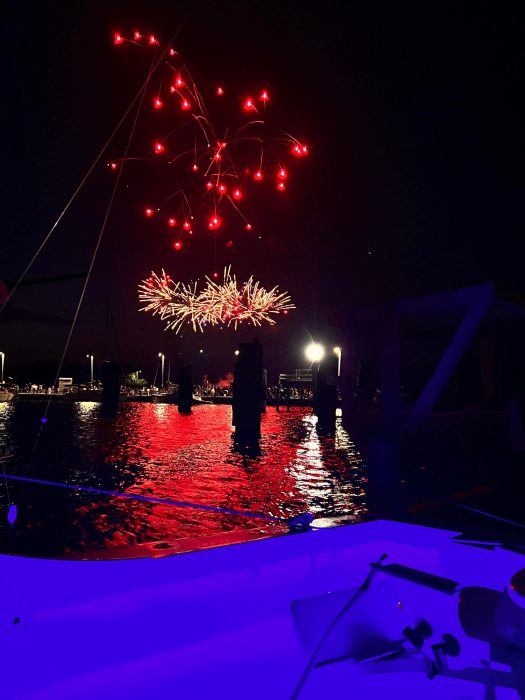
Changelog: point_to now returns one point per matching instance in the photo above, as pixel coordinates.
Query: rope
(484, 513)
(462, 506)
(149, 499)
(313, 657)
(139, 94)
(154, 65)
(95, 252)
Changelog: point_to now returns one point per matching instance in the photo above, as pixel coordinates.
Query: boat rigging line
(301, 521)
(140, 97)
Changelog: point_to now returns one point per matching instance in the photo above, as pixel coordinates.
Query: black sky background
(414, 185)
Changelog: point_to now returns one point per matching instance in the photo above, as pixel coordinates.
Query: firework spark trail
(217, 304)
(215, 177)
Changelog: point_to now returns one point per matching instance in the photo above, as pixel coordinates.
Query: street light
(162, 356)
(314, 353)
(338, 351)
(90, 357)
(2, 357)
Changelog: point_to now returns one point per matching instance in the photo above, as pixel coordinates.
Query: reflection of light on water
(319, 477)
(4, 409)
(6, 414)
(151, 449)
(159, 409)
(308, 469)
(86, 408)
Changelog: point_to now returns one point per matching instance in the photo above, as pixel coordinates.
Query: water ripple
(150, 449)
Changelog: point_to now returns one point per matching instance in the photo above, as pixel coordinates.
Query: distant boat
(139, 398)
(83, 394)
(165, 397)
(202, 399)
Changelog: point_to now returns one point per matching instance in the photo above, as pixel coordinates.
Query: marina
(262, 329)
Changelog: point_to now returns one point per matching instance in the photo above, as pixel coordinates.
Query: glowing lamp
(217, 156)
(153, 40)
(258, 175)
(237, 194)
(137, 36)
(264, 96)
(172, 52)
(173, 88)
(117, 38)
(149, 212)
(219, 91)
(248, 104)
(179, 82)
(159, 148)
(314, 352)
(195, 167)
(177, 245)
(248, 227)
(172, 222)
(338, 352)
(215, 275)
(186, 226)
(209, 185)
(158, 103)
(113, 166)
(281, 186)
(222, 188)
(282, 174)
(185, 104)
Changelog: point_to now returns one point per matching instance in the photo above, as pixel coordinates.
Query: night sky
(414, 184)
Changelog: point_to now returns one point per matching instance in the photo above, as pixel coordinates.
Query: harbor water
(152, 450)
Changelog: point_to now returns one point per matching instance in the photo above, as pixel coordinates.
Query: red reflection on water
(151, 449)
(190, 458)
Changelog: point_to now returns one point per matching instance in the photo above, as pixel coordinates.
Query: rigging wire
(69, 202)
(482, 513)
(94, 256)
(139, 95)
(353, 599)
(151, 499)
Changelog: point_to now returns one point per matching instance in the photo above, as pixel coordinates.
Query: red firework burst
(212, 167)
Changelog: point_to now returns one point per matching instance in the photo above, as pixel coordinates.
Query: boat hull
(224, 622)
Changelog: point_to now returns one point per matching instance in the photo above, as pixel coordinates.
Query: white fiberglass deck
(219, 624)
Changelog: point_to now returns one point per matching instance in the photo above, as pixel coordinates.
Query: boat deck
(229, 622)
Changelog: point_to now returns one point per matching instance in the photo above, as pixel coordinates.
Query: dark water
(150, 449)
